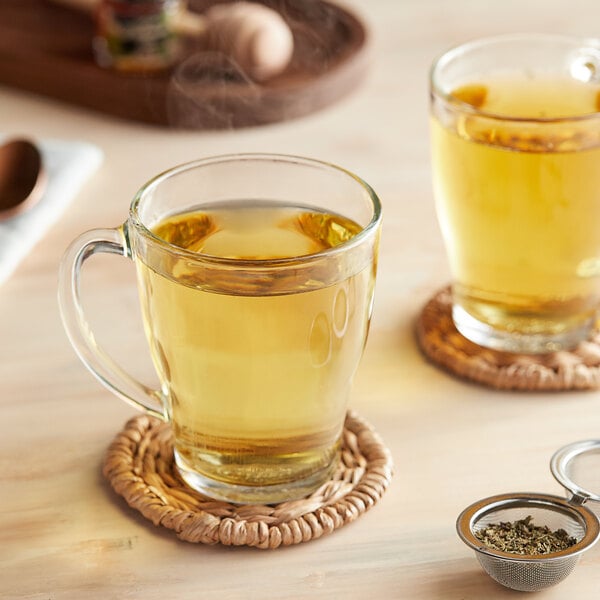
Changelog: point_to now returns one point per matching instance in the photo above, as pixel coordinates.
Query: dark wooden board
(46, 49)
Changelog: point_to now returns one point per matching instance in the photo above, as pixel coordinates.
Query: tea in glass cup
(256, 276)
(515, 124)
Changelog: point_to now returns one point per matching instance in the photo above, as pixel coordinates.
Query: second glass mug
(516, 154)
(256, 276)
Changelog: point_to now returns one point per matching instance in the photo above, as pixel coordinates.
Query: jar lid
(577, 468)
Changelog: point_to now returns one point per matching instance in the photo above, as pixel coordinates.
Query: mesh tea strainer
(571, 466)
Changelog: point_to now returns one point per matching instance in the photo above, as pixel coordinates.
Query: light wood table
(63, 532)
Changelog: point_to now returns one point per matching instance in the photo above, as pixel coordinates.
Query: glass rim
(451, 53)
(366, 232)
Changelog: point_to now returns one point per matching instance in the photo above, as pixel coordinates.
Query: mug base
(244, 494)
(511, 341)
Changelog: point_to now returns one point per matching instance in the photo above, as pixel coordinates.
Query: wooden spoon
(22, 177)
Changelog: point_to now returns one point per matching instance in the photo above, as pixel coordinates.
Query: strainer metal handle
(560, 464)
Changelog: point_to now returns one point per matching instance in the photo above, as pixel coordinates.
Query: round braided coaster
(139, 465)
(578, 369)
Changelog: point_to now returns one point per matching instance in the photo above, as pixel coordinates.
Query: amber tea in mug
(256, 277)
(516, 162)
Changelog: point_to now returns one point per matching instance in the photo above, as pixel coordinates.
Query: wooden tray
(46, 49)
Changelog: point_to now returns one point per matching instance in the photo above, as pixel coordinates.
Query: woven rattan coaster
(139, 465)
(578, 369)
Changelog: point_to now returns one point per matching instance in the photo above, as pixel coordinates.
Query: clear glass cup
(515, 127)
(256, 276)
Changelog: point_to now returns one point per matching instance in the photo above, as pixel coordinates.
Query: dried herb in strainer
(522, 537)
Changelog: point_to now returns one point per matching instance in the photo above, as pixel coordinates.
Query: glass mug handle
(101, 365)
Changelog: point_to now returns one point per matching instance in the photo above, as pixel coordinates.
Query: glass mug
(256, 276)
(515, 125)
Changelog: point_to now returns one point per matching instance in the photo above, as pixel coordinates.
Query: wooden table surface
(65, 534)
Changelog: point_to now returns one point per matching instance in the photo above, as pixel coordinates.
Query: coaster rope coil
(577, 369)
(140, 467)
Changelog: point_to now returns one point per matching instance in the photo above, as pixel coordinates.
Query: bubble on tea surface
(583, 70)
(585, 65)
(320, 340)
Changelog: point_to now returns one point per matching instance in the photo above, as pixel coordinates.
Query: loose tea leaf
(473, 94)
(522, 537)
